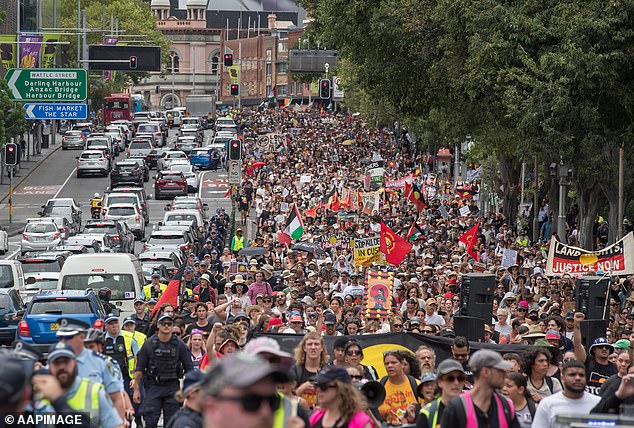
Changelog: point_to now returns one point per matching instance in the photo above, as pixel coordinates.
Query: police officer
(141, 317)
(156, 288)
(91, 365)
(129, 329)
(161, 363)
(189, 416)
(121, 348)
(80, 394)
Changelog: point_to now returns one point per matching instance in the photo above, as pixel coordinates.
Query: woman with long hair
(340, 403)
(539, 384)
(196, 345)
(400, 388)
(515, 390)
(311, 356)
(412, 368)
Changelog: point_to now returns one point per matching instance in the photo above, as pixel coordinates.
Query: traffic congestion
(334, 285)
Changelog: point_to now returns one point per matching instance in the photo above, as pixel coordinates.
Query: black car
(11, 312)
(122, 236)
(126, 172)
(141, 160)
(49, 261)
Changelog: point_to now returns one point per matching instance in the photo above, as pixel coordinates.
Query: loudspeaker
(591, 329)
(476, 296)
(470, 327)
(590, 299)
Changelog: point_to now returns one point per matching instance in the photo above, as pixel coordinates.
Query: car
(121, 233)
(186, 143)
(188, 203)
(117, 142)
(66, 229)
(140, 147)
(39, 236)
(92, 162)
(169, 240)
(91, 244)
(73, 249)
(4, 240)
(170, 183)
(116, 197)
(191, 215)
(100, 141)
(38, 282)
(11, 274)
(129, 213)
(170, 259)
(143, 197)
(150, 268)
(195, 233)
(11, 312)
(105, 241)
(63, 207)
(190, 175)
(39, 325)
(163, 125)
(154, 129)
(168, 157)
(84, 127)
(73, 139)
(126, 172)
(202, 158)
(143, 164)
(125, 127)
(174, 118)
(35, 263)
(155, 154)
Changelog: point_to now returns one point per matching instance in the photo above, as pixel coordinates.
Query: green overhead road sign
(47, 84)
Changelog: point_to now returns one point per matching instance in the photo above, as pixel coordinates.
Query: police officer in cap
(189, 416)
(161, 363)
(92, 365)
(141, 317)
(121, 348)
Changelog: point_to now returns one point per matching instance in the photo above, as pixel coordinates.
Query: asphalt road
(56, 178)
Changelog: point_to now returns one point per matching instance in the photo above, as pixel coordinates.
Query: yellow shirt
(397, 397)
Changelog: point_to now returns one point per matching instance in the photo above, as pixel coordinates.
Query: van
(121, 273)
(11, 274)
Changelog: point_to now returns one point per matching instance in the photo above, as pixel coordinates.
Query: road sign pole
(10, 193)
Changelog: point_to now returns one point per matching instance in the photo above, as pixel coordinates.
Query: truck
(203, 106)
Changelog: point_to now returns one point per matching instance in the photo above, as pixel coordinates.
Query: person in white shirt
(573, 400)
(502, 326)
(431, 317)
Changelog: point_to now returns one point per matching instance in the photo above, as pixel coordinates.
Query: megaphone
(374, 392)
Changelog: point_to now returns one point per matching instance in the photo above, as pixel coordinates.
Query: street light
(172, 56)
(564, 174)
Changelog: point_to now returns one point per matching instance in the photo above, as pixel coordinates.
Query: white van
(121, 273)
(174, 118)
(11, 275)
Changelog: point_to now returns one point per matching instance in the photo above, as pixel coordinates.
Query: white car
(188, 172)
(92, 162)
(130, 214)
(154, 129)
(35, 282)
(164, 162)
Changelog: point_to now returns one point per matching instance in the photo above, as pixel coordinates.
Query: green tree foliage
(533, 78)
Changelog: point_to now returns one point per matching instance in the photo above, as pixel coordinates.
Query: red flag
(312, 212)
(393, 246)
(170, 295)
(416, 197)
(228, 193)
(469, 238)
(284, 238)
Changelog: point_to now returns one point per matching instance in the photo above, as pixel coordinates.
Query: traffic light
(235, 150)
(324, 89)
(228, 60)
(11, 154)
(234, 90)
(133, 63)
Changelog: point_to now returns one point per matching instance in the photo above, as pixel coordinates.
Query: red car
(170, 183)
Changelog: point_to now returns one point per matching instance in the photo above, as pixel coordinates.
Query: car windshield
(182, 167)
(6, 276)
(42, 284)
(5, 304)
(166, 176)
(180, 217)
(128, 166)
(140, 145)
(151, 128)
(100, 228)
(200, 152)
(186, 205)
(60, 305)
(121, 285)
(168, 263)
(59, 212)
(40, 228)
(33, 266)
(91, 155)
(124, 211)
(121, 200)
(166, 239)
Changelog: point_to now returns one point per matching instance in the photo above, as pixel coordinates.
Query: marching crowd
(220, 355)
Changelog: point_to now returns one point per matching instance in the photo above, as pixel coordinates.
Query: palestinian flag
(414, 231)
(294, 226)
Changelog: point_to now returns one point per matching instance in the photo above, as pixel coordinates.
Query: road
(56, 178)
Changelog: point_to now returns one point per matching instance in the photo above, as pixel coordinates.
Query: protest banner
(367, 250)
(370, 202)
(615, 259)
(377, 301)
(509, 257)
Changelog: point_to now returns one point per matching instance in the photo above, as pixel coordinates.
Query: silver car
(92, 162)
(40, 237)
(129, 213)
(73, 139)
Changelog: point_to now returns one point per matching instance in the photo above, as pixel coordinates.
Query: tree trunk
(509, 175)
(612, 195)
(589, 202)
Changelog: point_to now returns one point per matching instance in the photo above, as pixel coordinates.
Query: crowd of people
(219, 355)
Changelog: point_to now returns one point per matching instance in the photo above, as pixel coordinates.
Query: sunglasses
(428, 331)
(353, 353)
(167, 324)
(603, 347)
(355, 377)
(397, 325)
(251, 402)
(326, 386)
(452, 378)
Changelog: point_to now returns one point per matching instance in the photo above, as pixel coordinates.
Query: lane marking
(65, 182)
(201, 180)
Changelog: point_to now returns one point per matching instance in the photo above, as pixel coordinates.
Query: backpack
(549, 384)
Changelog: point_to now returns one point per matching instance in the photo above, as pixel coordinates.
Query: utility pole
(79, 64)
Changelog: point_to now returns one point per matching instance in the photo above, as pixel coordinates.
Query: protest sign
(367, 250)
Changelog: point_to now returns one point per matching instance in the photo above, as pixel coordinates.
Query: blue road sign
(39, 111)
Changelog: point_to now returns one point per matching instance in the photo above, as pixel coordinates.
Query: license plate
(92, 163)
(54, 326)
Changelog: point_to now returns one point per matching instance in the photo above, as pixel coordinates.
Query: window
(281, 90)
(291, 88)
(282, 47)
(282, 68)
(268, 69)
(121, 285)
(61, 306)
(174, 62)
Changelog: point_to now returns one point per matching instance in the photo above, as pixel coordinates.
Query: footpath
(24, 171)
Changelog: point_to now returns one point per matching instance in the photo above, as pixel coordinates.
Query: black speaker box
(476, 296)
(591, 329)
(470, 327)
(590, 298)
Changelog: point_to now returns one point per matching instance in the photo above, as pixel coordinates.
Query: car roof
(48, 294)
(104, 222)
(126, 162)
(122, 205)
(167, 232)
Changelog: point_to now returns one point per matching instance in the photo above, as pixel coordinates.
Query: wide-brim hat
(534, 332)
(239, 279)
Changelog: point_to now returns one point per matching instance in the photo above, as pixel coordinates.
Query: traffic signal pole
(10, 193)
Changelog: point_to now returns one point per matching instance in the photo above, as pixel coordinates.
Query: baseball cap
(139, 300)
(622, 344)
(296, 318)
(193, 379)
(111, 317)
(165, 316)
(428, 377)
(489, 359)
(330, 319)
(69, 327)
(129, 320)
(60, 349)
(240, 315)
(570, 316)
(330, 373)
(523, 304)
(26, 351)
(553, 335)
(152, 301)
(239, 370)
(156, 275)
(448, 366)
(447, 333)
(265, 345)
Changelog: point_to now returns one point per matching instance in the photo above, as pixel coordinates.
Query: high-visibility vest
(238, 243)
(282, 413)
(127, 337)
(147, 290)
(431, 412)
(86, 399)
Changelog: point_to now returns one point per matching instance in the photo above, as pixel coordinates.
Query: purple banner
(30, 48)
(111, 41)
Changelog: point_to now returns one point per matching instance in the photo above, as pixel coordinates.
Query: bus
(138, 103)
(117, 107)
